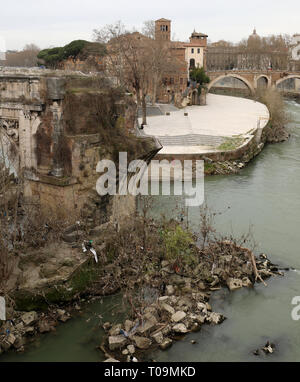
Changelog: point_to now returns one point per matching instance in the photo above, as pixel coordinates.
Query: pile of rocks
(15, 333)
(184, 307)
(161, 323)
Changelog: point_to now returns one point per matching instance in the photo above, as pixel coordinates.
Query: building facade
(190, 55)
(256, 53)
(195, 50)
(295, 53)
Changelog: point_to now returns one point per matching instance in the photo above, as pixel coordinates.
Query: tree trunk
(154, 90)
(138, 98)
(144, 109)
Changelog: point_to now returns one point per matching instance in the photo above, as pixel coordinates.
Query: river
(264, 195)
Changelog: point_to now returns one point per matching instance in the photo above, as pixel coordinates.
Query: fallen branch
(252, 259)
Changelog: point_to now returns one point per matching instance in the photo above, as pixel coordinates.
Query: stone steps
(191, 140)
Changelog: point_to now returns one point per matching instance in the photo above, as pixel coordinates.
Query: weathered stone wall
(61, 137)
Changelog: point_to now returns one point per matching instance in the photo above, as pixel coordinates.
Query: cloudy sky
(57, 22)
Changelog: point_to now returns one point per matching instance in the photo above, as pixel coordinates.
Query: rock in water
(246, 282)
(11, 339)
(29, 318)
(178, 316)
(180, 329)
(268, 348)
(131, 349)
(128, 325)
(234, 284)
(116, 342)
(142, 342)
(111, 360)
(215, 318)
(44, 327)
(115, 330)
(158, 337)
(167, 342)
(148, 325)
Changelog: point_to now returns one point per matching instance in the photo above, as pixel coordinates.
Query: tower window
(198, 50)
(192, 50)
(164, 28)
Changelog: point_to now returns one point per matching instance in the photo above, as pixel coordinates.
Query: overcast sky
(57, 22)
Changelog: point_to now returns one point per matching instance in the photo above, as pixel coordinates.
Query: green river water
(266, 195)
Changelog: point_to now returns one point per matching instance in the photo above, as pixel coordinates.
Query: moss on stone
(80, 282)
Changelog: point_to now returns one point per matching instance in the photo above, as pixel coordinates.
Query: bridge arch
(286, 78)
(259, 80)
(244, 80)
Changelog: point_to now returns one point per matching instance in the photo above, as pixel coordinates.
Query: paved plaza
(205, 127)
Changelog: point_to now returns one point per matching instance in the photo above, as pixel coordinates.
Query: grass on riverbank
(231, 143)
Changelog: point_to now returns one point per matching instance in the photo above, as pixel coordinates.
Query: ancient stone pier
(54, 150)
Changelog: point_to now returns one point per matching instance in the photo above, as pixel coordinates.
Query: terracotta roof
(194, 44)
(196, 34)
(162, 19)
(178, 45)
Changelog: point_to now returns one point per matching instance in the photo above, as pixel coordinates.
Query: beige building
(295, 47)
(195, 49)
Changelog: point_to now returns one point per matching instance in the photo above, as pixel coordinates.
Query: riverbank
(255, 190)
(218, 133)
(226, 133)
(183, 274)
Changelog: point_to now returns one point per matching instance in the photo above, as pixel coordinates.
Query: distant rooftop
(196, 34)
(162, 19)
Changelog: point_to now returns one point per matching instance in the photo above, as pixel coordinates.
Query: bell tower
(163, 29)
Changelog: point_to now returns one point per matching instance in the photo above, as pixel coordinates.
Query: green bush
(199, 75)
(73, 49)
(51, 57)
(177, 244)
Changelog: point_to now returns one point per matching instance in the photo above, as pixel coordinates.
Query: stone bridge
(253, 79)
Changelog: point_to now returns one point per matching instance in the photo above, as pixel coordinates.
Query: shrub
(51, 57)
(199, 75)
(177, 244)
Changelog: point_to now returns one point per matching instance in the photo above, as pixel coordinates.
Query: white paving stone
(223, 116)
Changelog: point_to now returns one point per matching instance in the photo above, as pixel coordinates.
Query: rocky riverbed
(15, 333)
(183, 308)
(180, 287)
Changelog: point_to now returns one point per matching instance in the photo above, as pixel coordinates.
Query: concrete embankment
(227, 129)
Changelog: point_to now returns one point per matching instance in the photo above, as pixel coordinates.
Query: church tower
(163, 29)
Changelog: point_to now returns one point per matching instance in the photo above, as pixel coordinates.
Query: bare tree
(27, 57)
(137, 61)
(256, 53)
